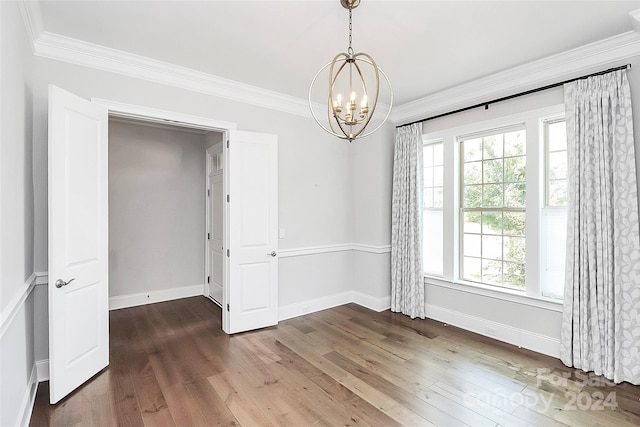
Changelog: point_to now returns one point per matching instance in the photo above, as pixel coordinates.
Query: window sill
(497, 293)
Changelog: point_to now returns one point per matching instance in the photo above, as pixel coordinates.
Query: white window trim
(534, 204)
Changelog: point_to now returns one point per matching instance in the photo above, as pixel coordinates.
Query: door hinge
(208, 236)
(228, 198)
(208, 279)
(227, 307)
(228, 253)
(227, 143)
(208, 192)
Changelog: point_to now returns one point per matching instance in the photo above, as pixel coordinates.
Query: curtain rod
(505, 98)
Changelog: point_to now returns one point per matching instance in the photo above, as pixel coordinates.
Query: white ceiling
(423, 46)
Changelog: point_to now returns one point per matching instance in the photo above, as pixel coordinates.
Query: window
(495, 197)
(432, 213)
(554, 213)
(492, 208)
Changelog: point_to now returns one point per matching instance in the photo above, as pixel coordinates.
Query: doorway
(78, 230)
(157, 212)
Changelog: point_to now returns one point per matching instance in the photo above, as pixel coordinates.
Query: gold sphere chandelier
(354, 88)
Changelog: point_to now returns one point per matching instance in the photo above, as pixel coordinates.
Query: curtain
(601, 315)
(407, 283)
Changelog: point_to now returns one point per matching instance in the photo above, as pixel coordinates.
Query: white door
(252, 174)
(215, 225)
(78, 242)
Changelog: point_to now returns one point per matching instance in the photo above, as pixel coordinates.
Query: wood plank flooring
(171, 364)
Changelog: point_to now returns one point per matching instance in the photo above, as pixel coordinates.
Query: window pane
(472, 196)
(514, 169)
(492, 171)
(492, 195)
(492, 247)
(514, 223)
(472, 269)
(472, 245)
(427, 155)
(492, 147)
(438, 176)
(492, 272)
(433, 242)
(558, 165)
(473, 173)
(514, 249)
(557, 134)
(428, 176)
(515, 195)
(428, 197)
(557, 193)
(513, 275)
(437, 154)
(515, 143)
(492, 223)
(471, 222)
(438, 196)
(472, 150)
(554, 243)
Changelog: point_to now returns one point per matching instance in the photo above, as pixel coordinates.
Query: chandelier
(354, 88)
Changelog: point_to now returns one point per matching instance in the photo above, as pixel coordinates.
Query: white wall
(156, 211)
(17, 369)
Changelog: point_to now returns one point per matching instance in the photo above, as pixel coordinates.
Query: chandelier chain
(350, 50)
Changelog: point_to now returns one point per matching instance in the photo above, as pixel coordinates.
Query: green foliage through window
(493, 209)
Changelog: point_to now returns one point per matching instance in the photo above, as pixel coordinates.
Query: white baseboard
(29, 399)
(311, 306)
(142, 298)
(509, 334)
(42, 368)
(372, 303)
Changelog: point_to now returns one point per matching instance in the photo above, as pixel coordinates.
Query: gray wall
(17, 369)
(156, 208)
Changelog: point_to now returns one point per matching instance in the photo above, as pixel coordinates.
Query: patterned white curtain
(601, 317)
(407, 283)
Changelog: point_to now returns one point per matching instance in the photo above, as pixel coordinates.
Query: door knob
(272, 253)
(60, 283)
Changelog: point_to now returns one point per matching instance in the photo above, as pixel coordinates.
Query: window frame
(452, 230)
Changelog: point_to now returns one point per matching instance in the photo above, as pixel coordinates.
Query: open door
(78, 242)
(215, 223)
(252, 257)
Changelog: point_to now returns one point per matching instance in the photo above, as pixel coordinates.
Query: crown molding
(634, 17)
(32, 19)
(67, 49)
(572, 63)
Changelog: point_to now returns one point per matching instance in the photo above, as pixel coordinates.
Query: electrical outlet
(491, 331)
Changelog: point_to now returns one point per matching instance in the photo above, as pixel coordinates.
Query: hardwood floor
(171, 364)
